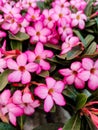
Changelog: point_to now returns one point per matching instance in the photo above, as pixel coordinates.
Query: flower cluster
(34, 43)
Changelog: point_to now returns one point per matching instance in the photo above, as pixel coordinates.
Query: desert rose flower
(78, 19)
(7, 107)
(51, 93)
(90, 72)
(39, 55)
(71, 75)
(21, 69)
(38, 33)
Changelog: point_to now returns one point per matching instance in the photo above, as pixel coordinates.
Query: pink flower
(64, 29)
(71, 75)
(2, 65)
(25, 101)
(60, 128)
(90, 73)
(38, 32)
(69, 43)
(21, 69)
(7, 107)
(50, 92)
(78, 19)
(39, 55)
(48, 21)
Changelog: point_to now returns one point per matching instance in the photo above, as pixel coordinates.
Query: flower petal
(93, 82)
(14, 76)
(12, 118)
(22, 59)
(41, 91)
(75, 65)
(48, 103)
(59, 86)
(79, 83)
(59, 99)
(26, 77)
(65, 72)
(50, 82)
(28, 110)
(27, 98)
(84, 75)
(45, 65)
(31, 67)
(39, 48)
(87, 63)
(70, 79)
(11, 64)
(17, 97)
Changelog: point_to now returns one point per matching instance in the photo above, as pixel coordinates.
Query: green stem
(21, 123)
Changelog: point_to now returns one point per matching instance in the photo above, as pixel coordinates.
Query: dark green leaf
(44, 74)
(94, 96)
(89, 38)
(4, 79)
(5, 126)
(70, 92)
(91, 49)
(91, 125)
(80, 101)
(20, 36)
(73, 124)
(90, 23)
(16, 45)
(62, 56)
(89, 8)
(49, 126)
(56, 47)
(41, 5)
(75, 52)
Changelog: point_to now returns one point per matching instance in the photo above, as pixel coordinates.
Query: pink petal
(50, 82)
(30, 31)
(94, 119)
(79, 83)
(17, 97)
(27, 98)
(70, 79)
(38, 26)
(81, 24)
(26, 77)
(45, 65)
(93, 82)
(46, 53)
(22, 59)
(48, 103)
(14, 76)
(2, 63)
(45, 31)
(28, 110)
(74, 22)
(39, 48)
(31, 67)
(30, 55)
(12, 118)
(43, 39)
(35, 104)
(59, 99)
(96, 64)
(41, 91)
(5, 96)
(75, 65)
(12, 64)
(65, 72)
(59, 86)
(84, 75)
(87, 63)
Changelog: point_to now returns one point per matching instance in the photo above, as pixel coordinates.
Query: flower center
(60, 15)
(49, 18)
(74, 72)
(64, 27)
(33, 17)
(62, 5)
(92, 70)
(22, 68)
(78, 17)
(51, 90)
(38, 33)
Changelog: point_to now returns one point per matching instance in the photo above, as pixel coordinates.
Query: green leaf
(94, 96)
(75, 52)
(80, 100)
(49, 126)
(89, 38)
(70, 92)
(44, 74)
(90, 23)
(88, 10)
(20, 36)
(41, 5)
(16, 45)
(5, 126)
(56, 47)
(91, 49)
(73, 124)
(4, 79)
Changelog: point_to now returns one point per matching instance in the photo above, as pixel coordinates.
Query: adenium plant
(49, 60)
